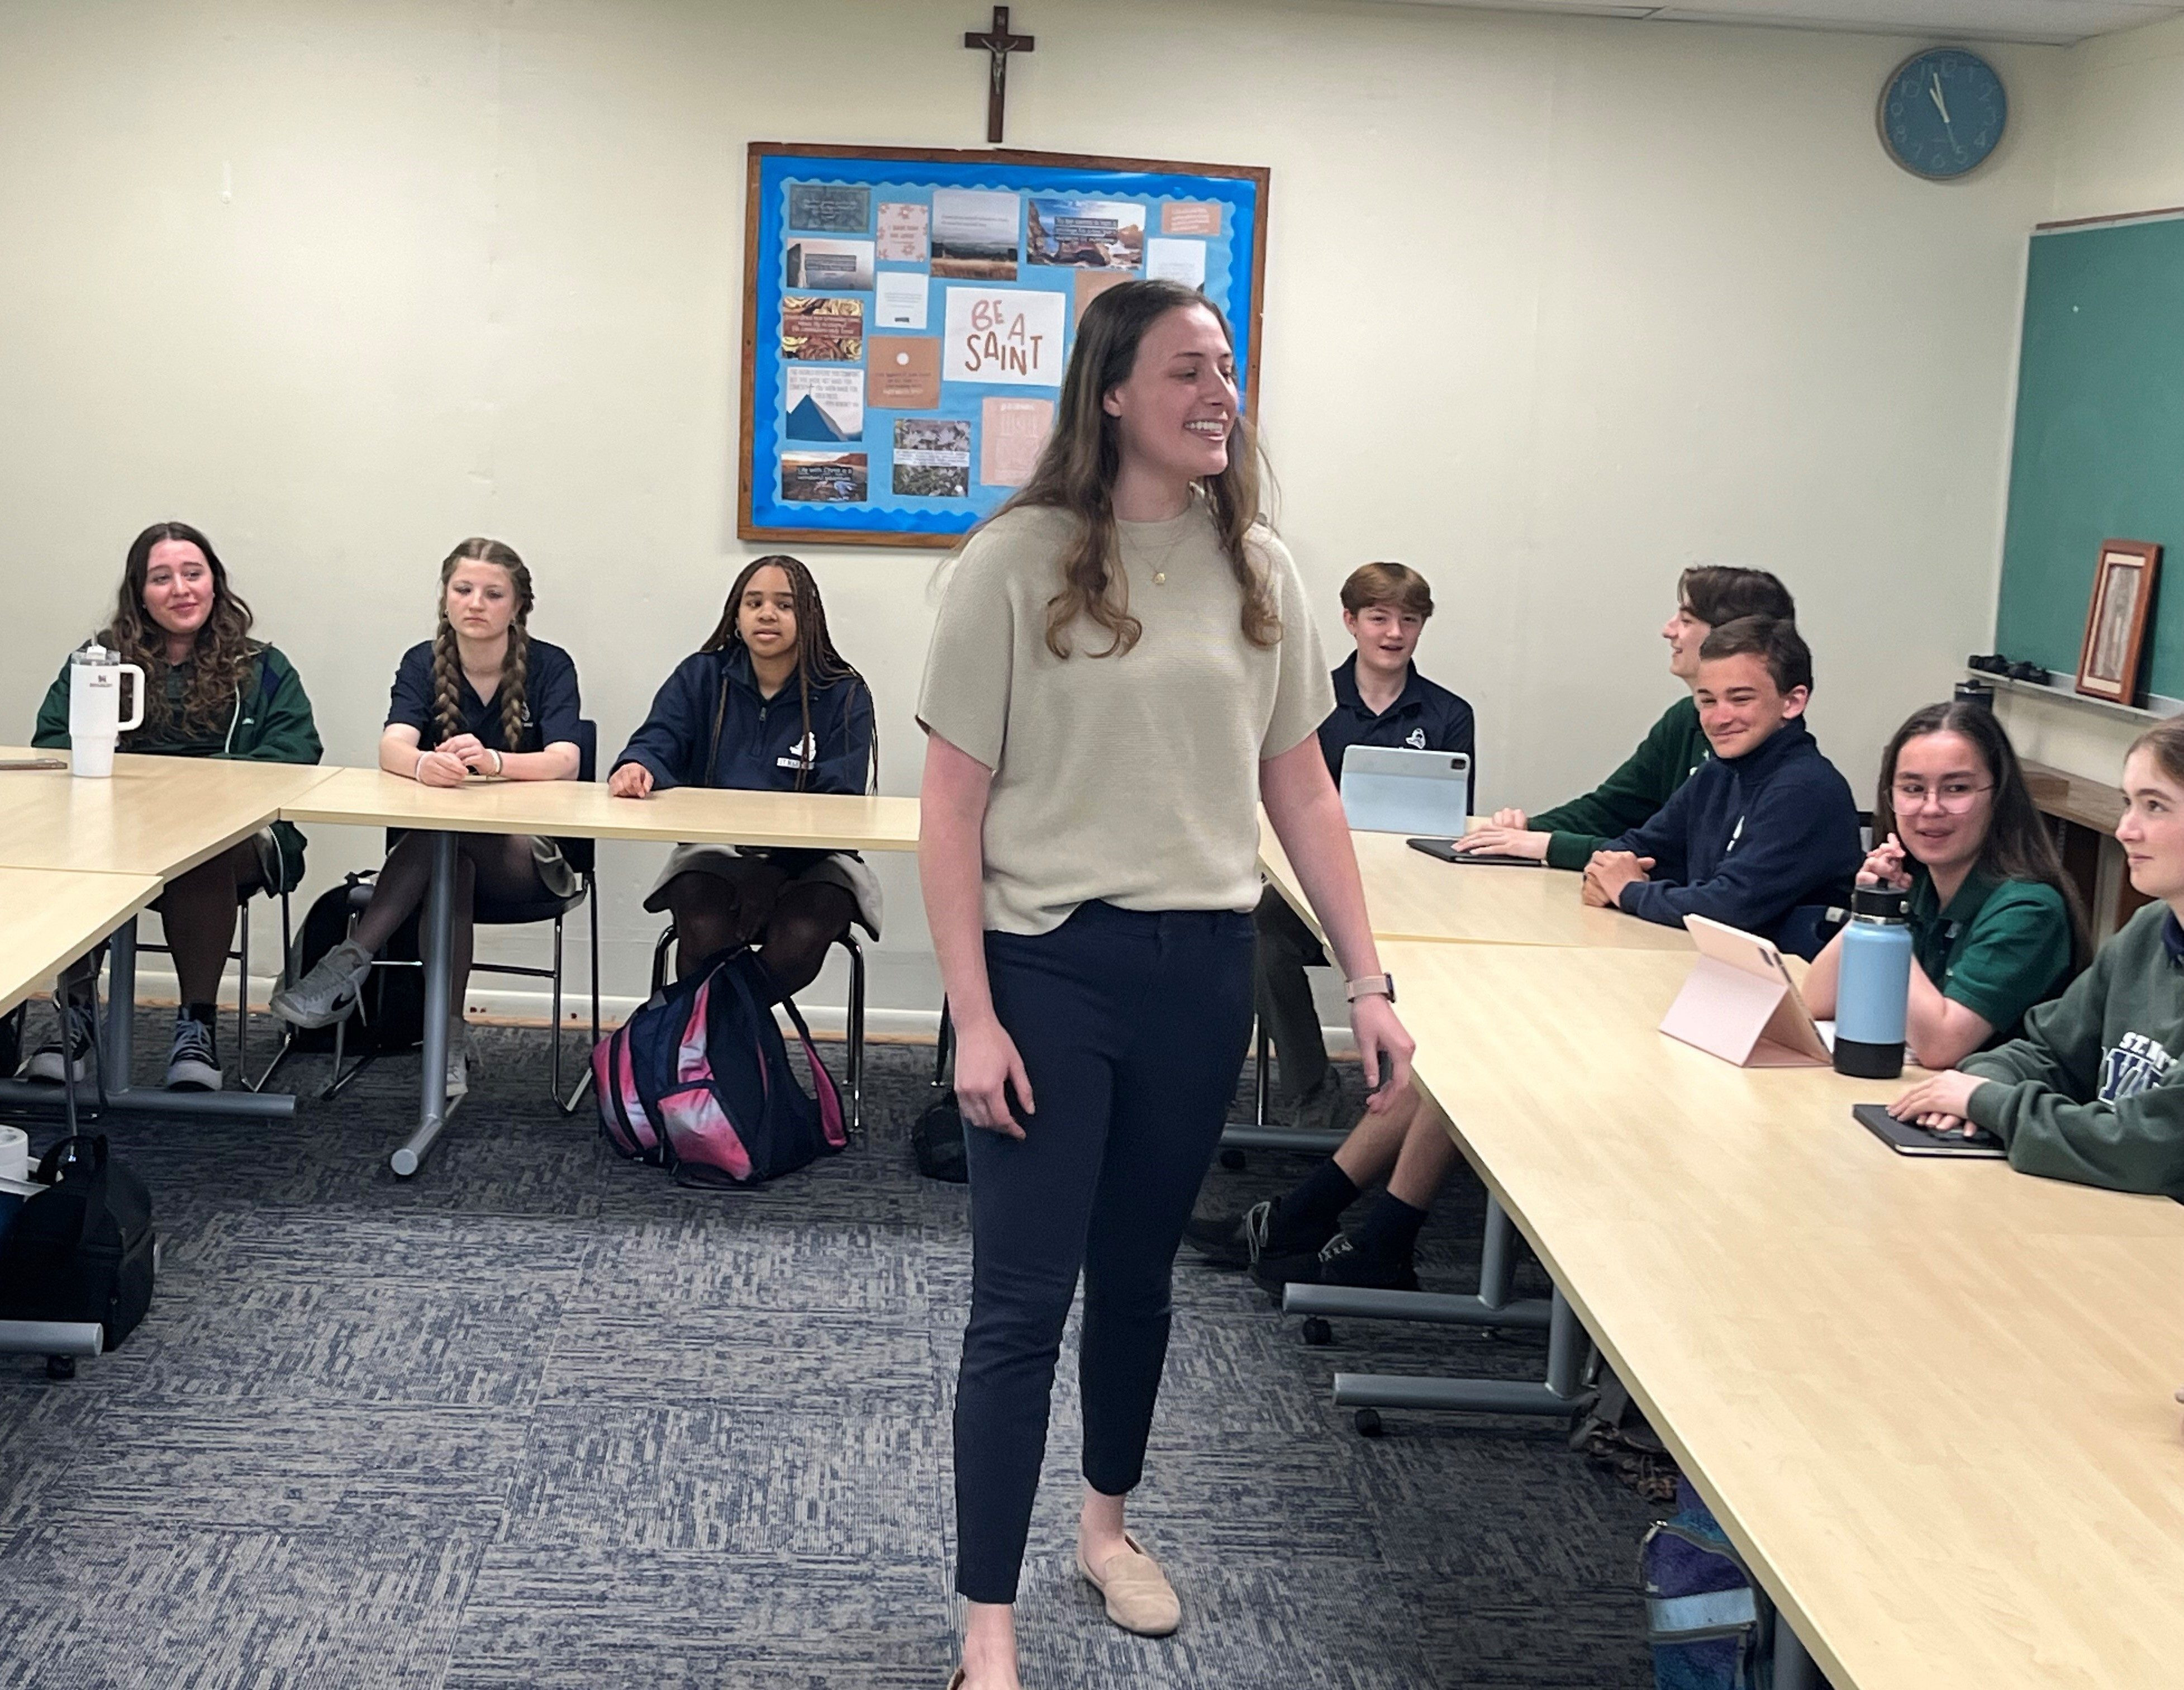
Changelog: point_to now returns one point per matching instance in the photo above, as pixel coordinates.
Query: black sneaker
(1229, 1240)
(1343, 1264)
(46, 1062)
(1336, 1263)
(193, 1064)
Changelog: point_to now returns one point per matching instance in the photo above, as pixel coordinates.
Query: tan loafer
(1140, 1598)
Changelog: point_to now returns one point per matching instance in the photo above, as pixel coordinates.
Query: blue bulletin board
(908, 314)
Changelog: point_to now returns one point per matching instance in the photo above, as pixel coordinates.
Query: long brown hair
(1076, 470)
(2018, 845)
(514, 663)
(817, 663)
(223, 654)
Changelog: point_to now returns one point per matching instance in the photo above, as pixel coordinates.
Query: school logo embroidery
(1417, 742)
(801, 755)
(2136, 1063)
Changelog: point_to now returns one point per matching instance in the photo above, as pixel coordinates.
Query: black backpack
(393, 1016)
(81, 1249)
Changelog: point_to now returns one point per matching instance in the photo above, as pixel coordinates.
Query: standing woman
(209, 691)
(480, 700)
(1124, 667)
(767, 704)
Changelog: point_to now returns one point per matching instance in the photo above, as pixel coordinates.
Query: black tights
(790, 923)
(197, 912)
(501, 866)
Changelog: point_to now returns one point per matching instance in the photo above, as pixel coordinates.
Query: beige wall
(1555, 307)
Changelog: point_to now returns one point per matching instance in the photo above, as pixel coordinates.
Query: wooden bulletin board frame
(840, 458)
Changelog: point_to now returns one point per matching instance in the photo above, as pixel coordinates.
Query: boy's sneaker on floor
(193, 1064)
(1240, 1241)
(459, 1063)
(1337, 1263)
(78, 1024)
(330, 992)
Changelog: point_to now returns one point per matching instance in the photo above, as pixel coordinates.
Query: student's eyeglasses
(1952, 797)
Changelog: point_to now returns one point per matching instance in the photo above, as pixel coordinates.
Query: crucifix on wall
(999, 43)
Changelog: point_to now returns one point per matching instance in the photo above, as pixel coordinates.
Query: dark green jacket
(1630, 797)
(270, 724)
(2093, 1092)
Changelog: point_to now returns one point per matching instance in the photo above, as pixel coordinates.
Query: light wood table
(573, 810)
(155, 817)
(1929, 1400)
(48, 918)
(1410, 895)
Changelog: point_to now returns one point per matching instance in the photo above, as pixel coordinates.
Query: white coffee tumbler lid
(15, 1154)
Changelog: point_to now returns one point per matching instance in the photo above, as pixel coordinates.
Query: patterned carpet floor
(538, 1418)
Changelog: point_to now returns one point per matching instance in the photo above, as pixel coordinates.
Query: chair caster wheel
(1317, 1332)
(1368, 1423)
(60, 1367)
(1232, 1159)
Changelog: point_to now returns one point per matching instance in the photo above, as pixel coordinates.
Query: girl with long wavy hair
(1996, 924)
(210, 691)
(766, 704)
(1123, 668)
(481, 699)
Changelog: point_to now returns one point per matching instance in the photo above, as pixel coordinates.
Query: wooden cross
(1000, 43)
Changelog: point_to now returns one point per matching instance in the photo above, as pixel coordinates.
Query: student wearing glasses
(1995, 924)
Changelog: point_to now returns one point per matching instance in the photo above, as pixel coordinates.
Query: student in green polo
(1994, 923)
(2094, 1091)
(1567, 835)
(210, 691)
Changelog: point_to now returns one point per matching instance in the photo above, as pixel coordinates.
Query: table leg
(437, 940)
(1793, 1667)
(120, 1005)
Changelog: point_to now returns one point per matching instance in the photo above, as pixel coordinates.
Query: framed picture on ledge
(2116, 619)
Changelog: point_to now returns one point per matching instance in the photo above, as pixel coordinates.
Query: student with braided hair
(767, 703)
(481, 699)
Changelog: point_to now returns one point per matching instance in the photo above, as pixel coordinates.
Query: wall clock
(1943, 112)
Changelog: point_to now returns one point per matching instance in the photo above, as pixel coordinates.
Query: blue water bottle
(1873, 984)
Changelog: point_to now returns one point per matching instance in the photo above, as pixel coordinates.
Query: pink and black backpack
(698, 1082)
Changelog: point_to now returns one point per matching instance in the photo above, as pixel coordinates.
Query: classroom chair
(854, 1032)
(582, 854)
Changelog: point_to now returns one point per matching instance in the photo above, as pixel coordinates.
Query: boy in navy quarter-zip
(1765, 831)
(767, 704)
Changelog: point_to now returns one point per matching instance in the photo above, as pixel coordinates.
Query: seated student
(1765, 827)
(1380, 699)
(481, 699)
(209, 691)
(1994, 923)
(2093, 1092)
(766, 703)
(1567, 835)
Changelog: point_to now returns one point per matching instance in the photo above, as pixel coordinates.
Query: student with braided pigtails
(481, 699)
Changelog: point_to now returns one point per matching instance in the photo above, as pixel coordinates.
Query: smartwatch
(1382, 985)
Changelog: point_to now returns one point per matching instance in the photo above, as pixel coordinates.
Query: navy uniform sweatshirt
(1747, 840)
(711, 708)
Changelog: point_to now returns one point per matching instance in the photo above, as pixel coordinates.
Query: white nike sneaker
(330, 992)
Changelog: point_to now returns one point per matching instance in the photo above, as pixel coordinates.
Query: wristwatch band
(1372, 985)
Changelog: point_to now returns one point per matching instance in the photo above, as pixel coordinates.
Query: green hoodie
(2093, 1092)
(1630, 798)
(270, 724)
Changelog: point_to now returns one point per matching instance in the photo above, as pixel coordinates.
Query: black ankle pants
(1132, 1025)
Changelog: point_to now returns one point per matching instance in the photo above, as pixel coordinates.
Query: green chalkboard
(2099, 450)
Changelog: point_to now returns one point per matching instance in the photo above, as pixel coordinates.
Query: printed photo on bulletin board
(908, 314)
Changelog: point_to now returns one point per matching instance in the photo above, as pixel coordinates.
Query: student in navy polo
(768, 705)
(481, 700)
(1380, 699)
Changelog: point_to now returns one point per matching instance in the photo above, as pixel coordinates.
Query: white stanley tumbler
(95, 720)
